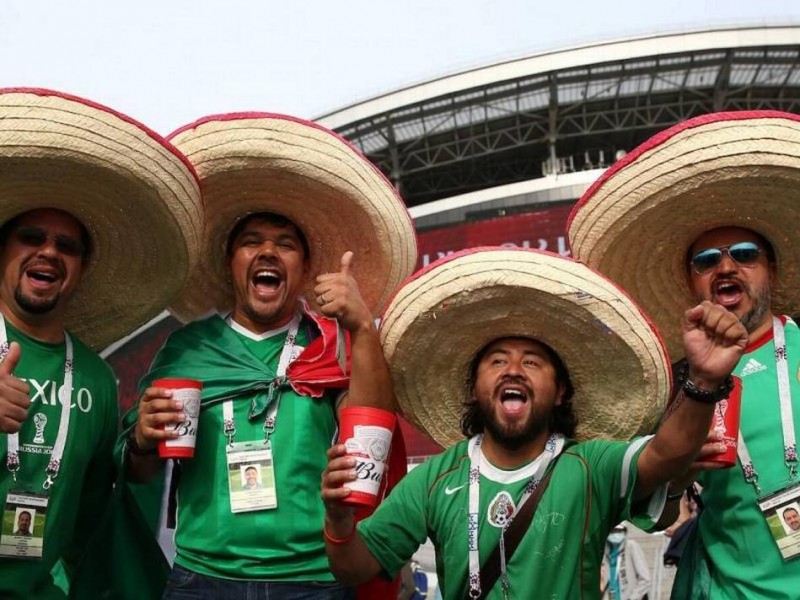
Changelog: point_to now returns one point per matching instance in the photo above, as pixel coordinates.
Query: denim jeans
(188, 585)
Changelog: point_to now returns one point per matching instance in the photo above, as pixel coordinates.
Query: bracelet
(339, 541)
(673, 497)
(135, 449)
(693, 392)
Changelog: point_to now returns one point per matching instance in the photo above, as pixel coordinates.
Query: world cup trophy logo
(39, 420)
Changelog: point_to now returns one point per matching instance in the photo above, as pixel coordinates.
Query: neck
(259, 327)
(759, 331)
(511, 458)
(44, 328)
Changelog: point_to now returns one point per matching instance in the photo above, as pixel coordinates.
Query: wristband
(339, 541)
(135, 449)
(698, 394)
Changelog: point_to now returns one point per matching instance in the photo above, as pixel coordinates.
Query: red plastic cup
(187, 391)
(726, 422)
(367, 434)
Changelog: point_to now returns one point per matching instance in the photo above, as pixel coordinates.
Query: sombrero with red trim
(256, 162)
(638, 221)
(137, 196)
(446, 313)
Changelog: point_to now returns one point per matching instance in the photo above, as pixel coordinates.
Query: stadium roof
(566, 111)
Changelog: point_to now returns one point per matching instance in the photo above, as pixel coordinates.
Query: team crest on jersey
(501, 509)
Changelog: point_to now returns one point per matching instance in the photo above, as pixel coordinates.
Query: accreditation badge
(251, 477)
(782, 512)
(22, 532)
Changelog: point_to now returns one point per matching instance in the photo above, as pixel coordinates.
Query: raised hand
(338, 296)
(14, 393)
(714, 340)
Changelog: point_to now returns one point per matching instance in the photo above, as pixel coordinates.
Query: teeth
(48, 277)
(512, 394)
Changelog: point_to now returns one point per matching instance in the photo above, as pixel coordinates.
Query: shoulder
(87, 359)
(199, 329)
(439, 469)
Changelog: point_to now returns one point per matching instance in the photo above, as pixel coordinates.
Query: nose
(726, 263)
(268, 248)
(513, 367)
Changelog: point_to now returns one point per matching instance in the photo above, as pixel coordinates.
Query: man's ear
(562, 389)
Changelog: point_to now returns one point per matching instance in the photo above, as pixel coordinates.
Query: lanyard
(787, 416)
(64, 398)
(288, 354)
(552, 448)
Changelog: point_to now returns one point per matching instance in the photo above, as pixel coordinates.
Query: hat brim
(637, 223)
(136, 195)
(261, 162)
(441, 318)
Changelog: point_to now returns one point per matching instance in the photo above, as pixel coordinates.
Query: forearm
(370, 382)
(350, 560)
(141, 466)
(678, 441)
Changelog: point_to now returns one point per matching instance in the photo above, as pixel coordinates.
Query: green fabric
(744, 560)
(559, 557)
(284, 544)
(82, 490)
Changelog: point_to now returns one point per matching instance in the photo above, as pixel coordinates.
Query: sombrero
(440, 318)
(638, 221)
(255, 162)
(134, 192)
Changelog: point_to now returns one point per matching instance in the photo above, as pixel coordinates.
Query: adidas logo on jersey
(752, 366)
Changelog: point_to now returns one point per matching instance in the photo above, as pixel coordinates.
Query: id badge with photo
(782, 513)
(251, 477)
(22, 532)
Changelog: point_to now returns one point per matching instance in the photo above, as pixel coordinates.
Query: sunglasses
(742, 253)
(36, 237)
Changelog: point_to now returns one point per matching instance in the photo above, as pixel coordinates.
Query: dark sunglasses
(742, 253)
(36, 237)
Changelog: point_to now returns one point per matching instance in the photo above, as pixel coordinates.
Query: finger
(708, 466)
(158, 420)
(16, 390)
(153, 393)
(11, 360)
(336, 450)
(693, 317)
(347, 260)
(711, 450)
(161, 405)
(336, 494)
(16, 413)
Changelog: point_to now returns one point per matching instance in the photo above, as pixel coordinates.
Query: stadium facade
(498, 155)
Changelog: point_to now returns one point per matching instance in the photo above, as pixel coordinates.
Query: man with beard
(711, 210)
(527, 331)
(71, 209)
(291, 342)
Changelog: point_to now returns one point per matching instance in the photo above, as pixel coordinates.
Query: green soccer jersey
(280, 544)
(590, 491)
(78, 496)
(745, 562)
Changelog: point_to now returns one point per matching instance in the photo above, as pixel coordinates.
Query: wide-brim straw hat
(638, 221)
(263, 162)
(134, 192)
(445, 314)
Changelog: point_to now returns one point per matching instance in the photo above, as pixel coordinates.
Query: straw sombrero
(439, 320)
(638, 221)
(255, 162)
(135, 193)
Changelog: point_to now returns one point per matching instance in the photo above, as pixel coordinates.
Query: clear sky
(168, 62)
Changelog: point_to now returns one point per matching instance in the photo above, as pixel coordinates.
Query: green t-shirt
(79, 494)
(281, 544)
(745, 562)
(559, 557)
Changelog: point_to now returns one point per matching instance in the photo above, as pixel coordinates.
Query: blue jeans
(188, 585)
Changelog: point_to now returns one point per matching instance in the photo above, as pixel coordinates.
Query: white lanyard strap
(553, 447)
(64, 398)
(787, 416)
(288, 354)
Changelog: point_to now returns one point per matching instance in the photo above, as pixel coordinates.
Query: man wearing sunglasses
(709, 210)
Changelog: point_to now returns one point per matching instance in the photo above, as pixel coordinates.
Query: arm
(370, 382)
(351, 561)
(714, 340)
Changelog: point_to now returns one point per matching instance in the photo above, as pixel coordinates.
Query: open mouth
(513, 399)
(266, 280)
(42, 276)
(727, 292)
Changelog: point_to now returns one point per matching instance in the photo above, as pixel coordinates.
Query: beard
(753, 318)
(513, 436)
(35, 306)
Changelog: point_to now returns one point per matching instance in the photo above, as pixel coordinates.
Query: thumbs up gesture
(14, 393)
(337, 296)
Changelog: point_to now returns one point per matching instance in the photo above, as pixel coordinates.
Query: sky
(169, 62)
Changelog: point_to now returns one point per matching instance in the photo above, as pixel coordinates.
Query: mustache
(513, 380)
(53, 263)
